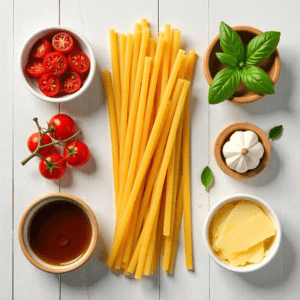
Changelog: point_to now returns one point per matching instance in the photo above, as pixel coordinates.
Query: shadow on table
(277, 271)
(92, 271)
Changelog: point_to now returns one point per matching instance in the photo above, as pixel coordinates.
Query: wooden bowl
(24, 233)
(225, 135)
(211, 64)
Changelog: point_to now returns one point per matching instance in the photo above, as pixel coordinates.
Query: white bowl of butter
(242, 233)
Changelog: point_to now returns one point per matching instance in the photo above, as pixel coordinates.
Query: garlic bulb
(243, 151)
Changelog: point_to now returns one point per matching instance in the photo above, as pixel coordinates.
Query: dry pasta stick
(175, 45)
(138, 132)
(177, 221)
(116, 75)
(156, 194)
(152, 49)
(186, 170)
(132, 116)
(135, 56)
(113, 131)
(146, 158)
(125, 93)
(137, 27)
(122, 47)
(144, 22)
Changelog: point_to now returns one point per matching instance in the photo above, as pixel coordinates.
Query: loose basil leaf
(207, 177)
(275, 132)
(262, 46)
(223, 85)
(257, 80)
(228, 60)
(231, 42)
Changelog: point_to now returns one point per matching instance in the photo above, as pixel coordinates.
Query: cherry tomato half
(56, 167)
(49, 85)
(63, 126)
(33, 141)
(35, 68)
(76, 153)
(41, 49)
(71, 82)
(55, 63)
(78, 61)
(62, 42)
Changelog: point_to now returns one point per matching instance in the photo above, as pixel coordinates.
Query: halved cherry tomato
(62, 42)
(56, 167)
(41, 49)
(63, 126)
(55, 63)
(71, 82)
(78, 61)
(49, 85)
(33, 141)
(35, 68)
(76, 153)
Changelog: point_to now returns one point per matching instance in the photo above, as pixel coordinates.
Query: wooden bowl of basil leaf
(243, 65)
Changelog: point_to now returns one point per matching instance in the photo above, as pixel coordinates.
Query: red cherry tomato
(33, 140)
(62, 42)
(55, 63)
(35, 68)
(49, 85)
(63, 126)
(71, 82)
(41, 49)
(77, 153)
(78, 61)
(56, 167)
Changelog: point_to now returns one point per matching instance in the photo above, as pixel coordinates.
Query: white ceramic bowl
(25, 224)
(268, 210)
(32, 84)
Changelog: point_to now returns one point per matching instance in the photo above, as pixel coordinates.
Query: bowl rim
(229, 199)
(207, 74)
(229, 130)
(85, 84)
(73, 266)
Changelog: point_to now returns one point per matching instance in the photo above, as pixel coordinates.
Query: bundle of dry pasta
(149, 106)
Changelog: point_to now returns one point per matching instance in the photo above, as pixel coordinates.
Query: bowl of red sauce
(58, 233)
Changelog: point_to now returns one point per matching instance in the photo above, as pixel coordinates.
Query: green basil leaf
(228, 60)
(207, 177)
(257, 80)
(262, 46)
(231, 42)
(275, 132)
(223, 85)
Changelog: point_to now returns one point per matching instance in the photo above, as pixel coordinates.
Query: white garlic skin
(232, 151)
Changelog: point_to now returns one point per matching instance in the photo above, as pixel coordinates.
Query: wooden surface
(278, 184)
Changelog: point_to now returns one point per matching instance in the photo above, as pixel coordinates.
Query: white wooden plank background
(199, 21)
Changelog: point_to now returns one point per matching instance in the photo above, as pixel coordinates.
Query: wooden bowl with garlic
(242, 150)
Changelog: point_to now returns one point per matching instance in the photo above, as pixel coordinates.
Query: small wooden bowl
(211, 64)
(24, 227)
(225, 135)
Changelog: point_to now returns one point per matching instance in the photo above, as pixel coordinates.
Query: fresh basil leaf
(231, 42)
(207, 177)
(257, 80)
(223, 85)
(228, 60)
(275, 132)
(262, 46)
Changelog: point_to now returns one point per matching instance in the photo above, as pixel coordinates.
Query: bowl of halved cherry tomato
(57, 64)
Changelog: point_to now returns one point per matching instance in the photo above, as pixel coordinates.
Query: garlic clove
(231, 149)
(250, 139)
(238, 138)
(233, 161)
(256, 150)
(252, 162)
(242, 165)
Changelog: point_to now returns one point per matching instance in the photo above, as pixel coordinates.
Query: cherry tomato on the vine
(63, 127)
(76, 153)
(62, 42)
(41, 49)
(33, 141)
(55, 63)
(55, 168)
